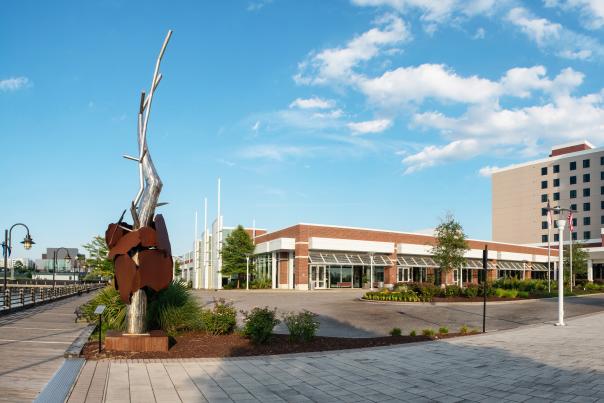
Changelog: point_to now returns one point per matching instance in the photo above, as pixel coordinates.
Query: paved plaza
(536, 363)
(341, 314)
(32, 343)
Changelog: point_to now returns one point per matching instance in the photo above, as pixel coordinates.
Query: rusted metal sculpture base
(155, 340)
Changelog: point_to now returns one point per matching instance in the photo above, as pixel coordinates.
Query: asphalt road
(342, 314)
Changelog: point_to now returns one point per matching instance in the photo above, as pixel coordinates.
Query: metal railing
(17, 297)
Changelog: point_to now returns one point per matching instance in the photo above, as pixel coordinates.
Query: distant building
(27, 263)
(66, 269)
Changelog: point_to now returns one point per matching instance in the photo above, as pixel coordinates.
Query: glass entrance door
(318, 277)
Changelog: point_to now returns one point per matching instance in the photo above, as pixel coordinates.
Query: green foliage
(99, 262)
(523, 294)
(177, 268)
(463, 329)
(413, 333)
(501, 293)
(452, 291)
(260, 283)
(259, 324)
(580, 257)
(236, 246)
(222, 319)
(395, 332)
(302, 326)
(400, 296)
(471, 290)
(173, 309)
(451, 244)
(114, 315)
(443, 330)
(428, 332)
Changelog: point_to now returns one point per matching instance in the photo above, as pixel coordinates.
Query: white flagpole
(549, 236)
(570, 251)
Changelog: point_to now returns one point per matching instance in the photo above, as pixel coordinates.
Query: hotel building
(572, 176)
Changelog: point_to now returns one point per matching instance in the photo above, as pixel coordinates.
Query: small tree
(451, 245)
(177, 268)
(580, 257)
(98, 261)
(234, 250)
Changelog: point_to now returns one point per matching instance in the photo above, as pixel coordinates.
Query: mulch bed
(203, 345)
(478, 299)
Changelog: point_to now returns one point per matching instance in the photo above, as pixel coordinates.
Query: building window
(544, 171)
(585, 163)
(586, 207)
(574, 222)
(573, 165)
(556, 237)
(602, 175)
(586, 235)
(544, 224)
(557, 196)
(573, 207)
(601, 160)
(543, 184)
(602, 204)
(586, 221)
(602, 190)
(544, 211)
(574, 236)
(557, 168)
(573, 180)
(573, 194)
(586, 178)
(544, 197)
(586, 192)
(556, 182)
(602, 219)
(543, 238)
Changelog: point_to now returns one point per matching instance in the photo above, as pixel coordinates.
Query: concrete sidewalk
(32, 343)
(532, 363)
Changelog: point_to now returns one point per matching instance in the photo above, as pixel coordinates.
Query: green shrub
(428, 332)
(523, 294)
(443, 330)
(222, 319)
(114, 316)
(471, 291)
(425, 291)
(259, 324)
(396, 332)
(302, 326)
(261, 283)
(173, 309)
(413, 333)
(452, 291)
(463, 329)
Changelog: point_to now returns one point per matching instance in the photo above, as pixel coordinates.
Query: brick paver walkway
(32, 343)
(533, 363)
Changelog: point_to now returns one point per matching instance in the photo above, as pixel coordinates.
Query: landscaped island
(504, 289)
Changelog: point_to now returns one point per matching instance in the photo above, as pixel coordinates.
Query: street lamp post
(247, 271)
(7, 245)
(54, 264)
(371, 271)
(561, 224)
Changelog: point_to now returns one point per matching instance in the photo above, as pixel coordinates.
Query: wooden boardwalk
(32, 343)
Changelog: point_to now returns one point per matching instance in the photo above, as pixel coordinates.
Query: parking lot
(342, 314)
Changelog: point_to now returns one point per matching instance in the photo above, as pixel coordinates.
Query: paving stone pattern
(535, 363)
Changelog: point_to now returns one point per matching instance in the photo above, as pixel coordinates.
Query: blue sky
(377, 113)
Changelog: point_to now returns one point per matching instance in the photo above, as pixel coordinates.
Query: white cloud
(370, 126)
(553, 37)
(258, 5)
(336, 64)
(312, 103)
(256, 126)
(275, 152)
(521, 81)
(415, 84)
(591, 11)
(436, 155)
(14, 83)
(480, 33)
(487, 171)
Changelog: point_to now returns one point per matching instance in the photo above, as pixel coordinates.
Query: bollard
(7, 299)
(33, 296)
(22, 297)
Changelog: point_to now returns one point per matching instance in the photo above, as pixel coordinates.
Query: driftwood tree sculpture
(141, 252)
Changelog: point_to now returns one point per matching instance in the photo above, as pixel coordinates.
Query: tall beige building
(571, 177)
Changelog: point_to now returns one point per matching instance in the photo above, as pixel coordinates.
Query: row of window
(586, 236)
(572, 166)
(573, 207)
(586, 221)
(572, 180)
(571, 194)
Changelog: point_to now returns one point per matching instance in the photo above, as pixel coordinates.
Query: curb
(74, 350)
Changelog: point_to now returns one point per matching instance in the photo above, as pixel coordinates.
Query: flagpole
(570, 251)
(549, 235)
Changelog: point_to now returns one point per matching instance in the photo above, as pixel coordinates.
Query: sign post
(485, 254)
(99, 311)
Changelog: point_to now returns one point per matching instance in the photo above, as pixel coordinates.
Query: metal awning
(510, 265)
(538, 266)
(415, 261)
(477, 264)
(352, 259)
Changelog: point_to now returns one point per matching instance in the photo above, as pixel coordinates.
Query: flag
(549, 215)
(570, 222)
